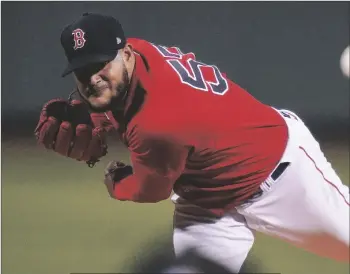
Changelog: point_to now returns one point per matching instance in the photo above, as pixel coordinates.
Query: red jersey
(192, 130)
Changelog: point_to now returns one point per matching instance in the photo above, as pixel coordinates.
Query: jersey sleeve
(104, 120)
(157, 164)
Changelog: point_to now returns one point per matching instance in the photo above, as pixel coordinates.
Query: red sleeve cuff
(132, 189)
(126, 188)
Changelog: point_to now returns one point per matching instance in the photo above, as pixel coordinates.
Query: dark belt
(274, 176)
(279, 170)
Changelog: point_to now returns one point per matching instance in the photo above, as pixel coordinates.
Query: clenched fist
(114, 172)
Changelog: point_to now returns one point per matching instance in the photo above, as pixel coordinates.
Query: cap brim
(86, 60)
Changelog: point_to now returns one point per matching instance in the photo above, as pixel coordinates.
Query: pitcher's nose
(95, 79)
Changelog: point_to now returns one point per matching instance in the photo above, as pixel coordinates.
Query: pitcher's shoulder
(142, 46)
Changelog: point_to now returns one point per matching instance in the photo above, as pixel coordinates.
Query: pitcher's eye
(84, 74)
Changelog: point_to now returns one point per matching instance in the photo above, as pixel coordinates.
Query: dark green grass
(58, 218)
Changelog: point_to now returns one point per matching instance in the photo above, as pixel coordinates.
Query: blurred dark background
(284, 53)
(56, 214)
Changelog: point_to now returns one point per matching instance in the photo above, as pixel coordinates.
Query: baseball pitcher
(234, 164)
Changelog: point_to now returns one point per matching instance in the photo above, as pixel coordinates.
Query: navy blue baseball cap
(93, 38)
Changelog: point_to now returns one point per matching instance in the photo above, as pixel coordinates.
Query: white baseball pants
(307, 206)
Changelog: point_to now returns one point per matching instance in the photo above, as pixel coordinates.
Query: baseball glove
(114, 172)
(67, 128)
